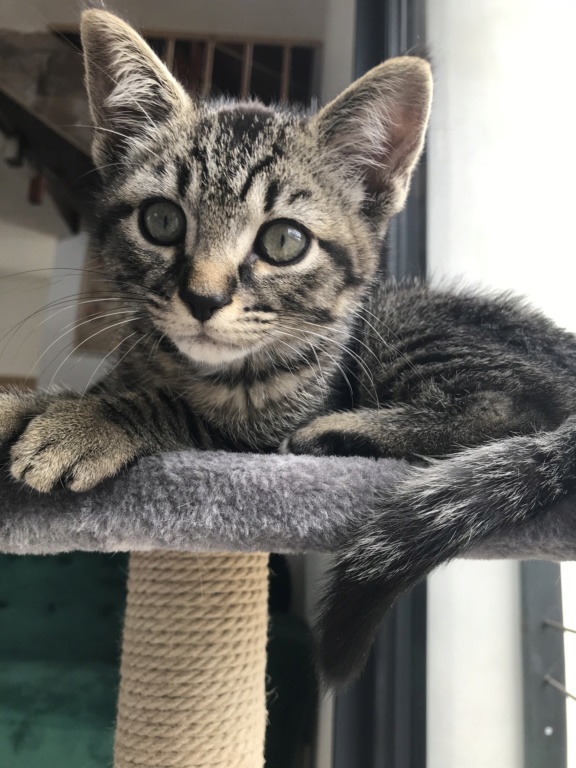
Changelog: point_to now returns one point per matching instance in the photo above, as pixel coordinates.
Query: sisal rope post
(192, 690)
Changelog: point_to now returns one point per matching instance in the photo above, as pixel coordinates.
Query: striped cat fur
(243, 242)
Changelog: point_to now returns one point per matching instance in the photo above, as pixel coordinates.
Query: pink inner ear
(381, 144)
(405, 137)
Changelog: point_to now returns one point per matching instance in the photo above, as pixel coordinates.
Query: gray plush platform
(237, 502)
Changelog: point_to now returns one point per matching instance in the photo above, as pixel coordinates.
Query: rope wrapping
(192, 690)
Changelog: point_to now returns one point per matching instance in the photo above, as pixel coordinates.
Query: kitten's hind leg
(409, 431)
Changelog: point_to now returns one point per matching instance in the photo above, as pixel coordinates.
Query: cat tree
(192, 692)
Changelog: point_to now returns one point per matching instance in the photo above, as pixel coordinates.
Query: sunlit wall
(502, 160)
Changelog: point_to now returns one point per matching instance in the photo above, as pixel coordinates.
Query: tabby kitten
(245, 240)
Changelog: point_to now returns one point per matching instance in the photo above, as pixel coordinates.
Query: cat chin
(210, 353)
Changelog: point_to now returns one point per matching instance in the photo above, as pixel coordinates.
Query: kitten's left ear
(375, 129)
(132, 94)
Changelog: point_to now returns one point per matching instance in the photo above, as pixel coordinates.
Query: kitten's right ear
(131, 92)
(375, 131)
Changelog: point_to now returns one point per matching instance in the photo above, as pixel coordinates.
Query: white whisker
(77, 346)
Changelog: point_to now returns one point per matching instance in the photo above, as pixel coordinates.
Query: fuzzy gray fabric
(201, 501)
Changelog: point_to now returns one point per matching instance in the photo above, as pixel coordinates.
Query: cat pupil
(163, 222)
(282, 242)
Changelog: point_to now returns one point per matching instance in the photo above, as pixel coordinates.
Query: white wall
(28, 237)
(474, 667)
(301, 19)
(20, 342)
(502, 147)
(63, 365)
(41, 346)
(28, 233)
(39, 276)
(338, 53)
(502, 160)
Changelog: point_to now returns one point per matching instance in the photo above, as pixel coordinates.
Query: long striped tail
(435, 514)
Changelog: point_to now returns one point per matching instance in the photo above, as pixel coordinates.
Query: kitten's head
(243, 227)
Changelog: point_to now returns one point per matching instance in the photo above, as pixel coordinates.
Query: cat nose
(203, 307)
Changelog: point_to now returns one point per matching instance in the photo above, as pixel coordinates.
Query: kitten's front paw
(73, 445)
(325, 436)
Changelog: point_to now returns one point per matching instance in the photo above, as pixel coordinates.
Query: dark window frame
(380, 722)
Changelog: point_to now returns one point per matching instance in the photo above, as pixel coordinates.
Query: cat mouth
(206, 338)
(204, 348)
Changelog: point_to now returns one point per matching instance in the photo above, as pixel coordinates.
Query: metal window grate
(272, 70)
(545, 734)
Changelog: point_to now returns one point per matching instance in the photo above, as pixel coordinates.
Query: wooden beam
(285, 80)
(169, 55)
(208, 67)
(246, 70)
(37, 188)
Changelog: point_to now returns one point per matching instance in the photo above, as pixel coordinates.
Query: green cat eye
(282, 242)
(163, 222)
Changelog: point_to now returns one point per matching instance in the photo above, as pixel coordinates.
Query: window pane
(266, 72)
(158, 45)
(301, 66)
(227, 71)
(189, 57)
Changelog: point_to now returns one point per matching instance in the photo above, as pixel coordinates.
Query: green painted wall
(60, 629)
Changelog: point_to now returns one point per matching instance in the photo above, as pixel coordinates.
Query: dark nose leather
(203, 307)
